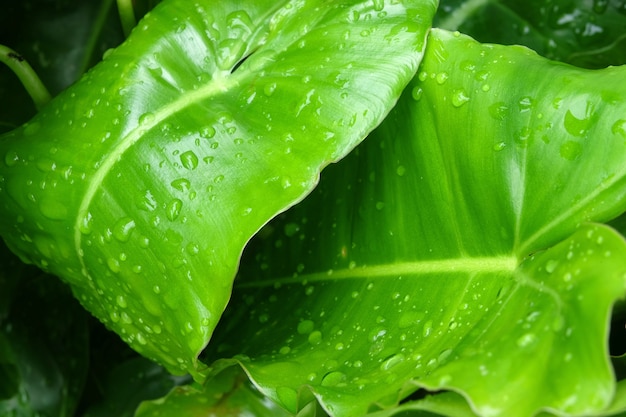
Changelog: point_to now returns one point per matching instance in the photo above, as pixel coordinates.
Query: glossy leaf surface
(452, 247)
(140, 184)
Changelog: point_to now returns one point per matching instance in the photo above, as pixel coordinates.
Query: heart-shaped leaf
(140, 184)
(451, 251)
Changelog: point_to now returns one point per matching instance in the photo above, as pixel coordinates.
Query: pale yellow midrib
(219, 84)
(477, 265)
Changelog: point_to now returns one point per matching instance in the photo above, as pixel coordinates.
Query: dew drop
(181, 184)
(189, 160)
(442, 77)
(52, 209)
(392, 361)
(174, 208)
(459, 97)
(551, 266)
(417, 92)
(146, 118)
(619, 128)
(123, 228)
(121, 301)
(315, 337)
(333, 379)
(571, 150)
(305, 327)
(526, 340)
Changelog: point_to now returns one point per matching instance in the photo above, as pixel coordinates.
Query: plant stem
(127, 15)
(31, 82)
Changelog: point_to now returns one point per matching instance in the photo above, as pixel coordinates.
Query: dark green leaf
(587, 33)
(43, 350)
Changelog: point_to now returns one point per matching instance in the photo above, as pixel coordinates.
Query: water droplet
(315, 337)
(578, 125)
(173, 209)
(499, 110)
(146, 119)
(442, 77)
(121, 301)
(619, 128)
(417, 92)
(52, 209)
(305, 327)
(189, 160)
(459, 97)
(526, 340)
(379, 5)
(291, 229)
(333, 379)
(551, 266)
(499, 146)
(181, 184)
(269, 89)
(11, 158)
(401, 170)
(85, 224)
(392, 361)
(123, 229)
(571, 150)
(428, 328)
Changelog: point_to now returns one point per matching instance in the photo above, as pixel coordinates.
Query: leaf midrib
(466, 265)
(220, 83)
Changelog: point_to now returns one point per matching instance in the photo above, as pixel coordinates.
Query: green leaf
(229, 394)
(140, 184)
(586, 33)
(452, 251)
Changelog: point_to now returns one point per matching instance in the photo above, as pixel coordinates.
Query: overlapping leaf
(140, 185)
(452, 250)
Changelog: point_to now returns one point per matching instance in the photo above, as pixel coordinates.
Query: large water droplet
(333, 379)
(173, 209)
(53, 209)
(189, 160)
(123, 228)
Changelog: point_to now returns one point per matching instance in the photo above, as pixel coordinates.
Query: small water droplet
(417, 92)
(571, 150)
(442, 77)
(459, 97)
(181, 184)
(499, 146)
(551, 266)
(428, 328)
(526, 340)
(121, 301)
(146, 119)
(619, 128)
(207, 132)
(401, 170)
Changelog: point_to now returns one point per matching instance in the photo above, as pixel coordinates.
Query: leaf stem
(127, 15)
(31, 82)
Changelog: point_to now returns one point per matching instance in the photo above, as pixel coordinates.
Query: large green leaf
(452, 251)
(140, 184)
(587, 33)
